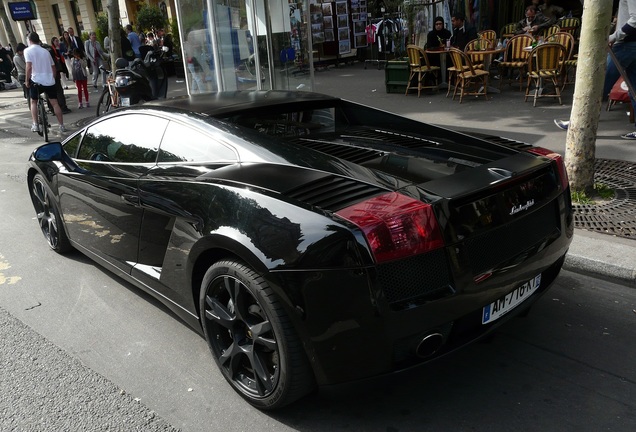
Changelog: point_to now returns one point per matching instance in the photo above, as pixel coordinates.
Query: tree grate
(616, 216)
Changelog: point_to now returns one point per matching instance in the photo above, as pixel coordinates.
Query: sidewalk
(505, 114)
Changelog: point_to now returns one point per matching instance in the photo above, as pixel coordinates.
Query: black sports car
(311, 240)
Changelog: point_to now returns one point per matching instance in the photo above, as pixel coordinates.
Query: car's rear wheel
(48, 216)
(251, 337)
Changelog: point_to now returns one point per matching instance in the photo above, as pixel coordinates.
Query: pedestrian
(81, 79)
(135, 42)
(76, 41)
(60, 68)
(20, 65)
(58, 51)
(462, 31)
(623, 44)
(68, 55)
(40, 77)
(6, 64)
(95, 56)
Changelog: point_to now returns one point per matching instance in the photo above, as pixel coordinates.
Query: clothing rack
(375, 50)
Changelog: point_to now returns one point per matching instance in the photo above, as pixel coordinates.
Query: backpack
(79, 73)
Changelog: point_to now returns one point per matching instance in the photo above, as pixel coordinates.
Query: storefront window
(231, 58)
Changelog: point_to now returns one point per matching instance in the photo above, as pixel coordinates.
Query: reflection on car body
(311, 240)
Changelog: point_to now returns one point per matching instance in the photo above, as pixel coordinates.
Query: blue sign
(21, 11)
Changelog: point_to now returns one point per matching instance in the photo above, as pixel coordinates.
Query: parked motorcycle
(139, 81)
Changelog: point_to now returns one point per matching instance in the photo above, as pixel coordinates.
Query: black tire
(103, 106)
(45, 123)
(48, 216)
(41, 114)
(251, 337)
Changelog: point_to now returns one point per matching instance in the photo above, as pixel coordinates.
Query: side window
(129, 138)
(70, 146)
(184, 144)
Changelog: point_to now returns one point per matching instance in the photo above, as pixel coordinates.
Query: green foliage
(601, 193)
(174, 29)
(150, 18)
(102, 26)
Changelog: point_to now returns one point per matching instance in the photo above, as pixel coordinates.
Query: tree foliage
(150, 18)
(102, 26)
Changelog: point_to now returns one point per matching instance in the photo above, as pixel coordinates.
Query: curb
(603, 256)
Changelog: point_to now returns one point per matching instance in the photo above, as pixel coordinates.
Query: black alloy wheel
(103, 106)
(251, 337)
(48, 216)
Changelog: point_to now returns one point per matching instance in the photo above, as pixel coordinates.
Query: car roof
(219, 103)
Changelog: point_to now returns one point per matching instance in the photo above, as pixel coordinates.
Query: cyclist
(40, 70)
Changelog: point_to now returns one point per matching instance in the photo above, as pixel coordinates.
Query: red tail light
(558, 159)
(395, 225)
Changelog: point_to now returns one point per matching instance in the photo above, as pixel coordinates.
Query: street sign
(22, 11)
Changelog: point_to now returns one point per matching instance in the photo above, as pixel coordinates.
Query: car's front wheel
(251, 337)
(48, 215)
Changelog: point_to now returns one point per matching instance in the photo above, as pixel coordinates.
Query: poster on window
(326, 9)
(360, 41)
(329, 36)
(344, 47)
(328, 21)
(359, 27)
(343, 21)
(341, 8)
(343, 34)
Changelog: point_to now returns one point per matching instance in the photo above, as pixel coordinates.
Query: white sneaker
(62, 128)
(79, 106)
(562, 124)
(35, 127)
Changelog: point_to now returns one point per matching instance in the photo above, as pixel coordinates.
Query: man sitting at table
(462, 31)
(533, 23)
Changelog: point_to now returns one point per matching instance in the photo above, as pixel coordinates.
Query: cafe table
(488, 55)
(441, 51)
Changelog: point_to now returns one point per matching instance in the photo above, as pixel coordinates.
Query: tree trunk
(7, 25)
(580, 143)
(114, 31)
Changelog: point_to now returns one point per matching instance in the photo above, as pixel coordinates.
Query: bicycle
(110, 98)
(43, 121)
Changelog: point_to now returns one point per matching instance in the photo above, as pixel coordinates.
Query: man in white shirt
(40, 70)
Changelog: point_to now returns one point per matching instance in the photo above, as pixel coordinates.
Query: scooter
(127, 86)
(139, 81)
(153, 69)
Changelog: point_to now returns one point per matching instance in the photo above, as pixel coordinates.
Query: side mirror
(49, 152)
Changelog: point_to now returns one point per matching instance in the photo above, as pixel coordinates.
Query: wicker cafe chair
(491, 35)
(545, 65)
(470, 81)
(515, 58)
(478, 59)
(570, 25)
(550, 31)
(508, 30)
(569, 63)
(420, 66)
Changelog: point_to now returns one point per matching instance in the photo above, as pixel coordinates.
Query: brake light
(559, 161)
(395, 226)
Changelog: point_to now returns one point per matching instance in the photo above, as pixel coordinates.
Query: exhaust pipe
(429, 345)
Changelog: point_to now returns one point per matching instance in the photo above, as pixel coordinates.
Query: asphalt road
(82, 350)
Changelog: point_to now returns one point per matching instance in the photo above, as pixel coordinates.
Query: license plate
(505, 304)
(125, 101)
